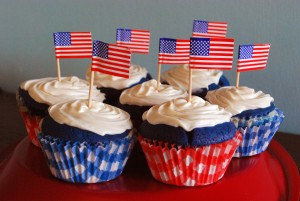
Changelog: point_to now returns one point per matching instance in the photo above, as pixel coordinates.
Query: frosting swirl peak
(136, 73)
(178, 76)
(237, 100)
(51, 91)
(188, 115)
(147, 94)
(101, 118)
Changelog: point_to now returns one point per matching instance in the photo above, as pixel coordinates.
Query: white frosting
(101, 118)
(51, 91)
(147, 94)
(188, 115)
(237, 100)
(136, 73)
(179, 76)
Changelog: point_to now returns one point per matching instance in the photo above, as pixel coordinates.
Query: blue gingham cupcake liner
(80, 162)
(257, 120)
(256, 139)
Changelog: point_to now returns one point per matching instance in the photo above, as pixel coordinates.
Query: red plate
(272, 175)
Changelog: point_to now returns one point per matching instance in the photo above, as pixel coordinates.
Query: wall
(27, 51)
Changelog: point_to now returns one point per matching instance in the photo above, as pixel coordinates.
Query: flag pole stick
(190, 85)
(158, 75)
(58, 69)
(90, 88)
(237, 79)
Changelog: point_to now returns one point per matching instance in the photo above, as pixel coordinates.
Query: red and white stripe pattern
(253, 57)
(111, 59)
(174, 51)
(211, 53)
(209, 29)
(138, 41)
(73, 44)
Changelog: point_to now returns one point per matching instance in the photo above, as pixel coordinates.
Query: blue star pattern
(100, 49)
(62, 39)
(167, 45)
(124, 35)
(245, 51)
(200, 26)
(200, 46)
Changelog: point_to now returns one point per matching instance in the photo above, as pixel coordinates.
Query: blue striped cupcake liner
(256, 139)
(80, 162)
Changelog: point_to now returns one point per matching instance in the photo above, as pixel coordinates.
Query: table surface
(13, 129)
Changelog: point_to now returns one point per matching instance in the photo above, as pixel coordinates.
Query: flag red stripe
(220, 55)
(258, 61)
(79, 55)
(110, 73)
(110, 65)
(117, 64)
(139, 43)
(81, 46)
(181, 55)
(113, 63)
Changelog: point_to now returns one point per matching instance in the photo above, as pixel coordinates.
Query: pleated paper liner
(31, 121)
(85, 163)
(32, 126)
(189, 166)
(256, 139)
(272, 116)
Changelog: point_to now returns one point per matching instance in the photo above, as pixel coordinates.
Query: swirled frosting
(188, 115)
(237, 100)
(51, 91)
(179, 76)
(147, 94)
(136, 73)
(101, 118)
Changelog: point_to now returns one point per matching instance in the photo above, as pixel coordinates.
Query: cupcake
(203, 80)
(188, 143)
(254, 115)
(35, 96)
(136, 100)
(113, 86)
(86, 145)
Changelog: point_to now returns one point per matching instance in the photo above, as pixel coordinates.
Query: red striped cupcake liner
(189, 166)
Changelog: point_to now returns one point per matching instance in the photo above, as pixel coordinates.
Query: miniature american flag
(209, 29)
(137, 41)
(253, 57)
(111, 59)
(73, 44)
(174, 51)
(211, 53)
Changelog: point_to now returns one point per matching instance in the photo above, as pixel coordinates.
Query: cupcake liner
(32, 124)
(189, 166)
(31, 121)
(256, 139)
(257, 120)
(86, 163)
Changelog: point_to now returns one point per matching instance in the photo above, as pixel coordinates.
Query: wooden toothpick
(90, 89)
(190, 85)
(58, 69)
